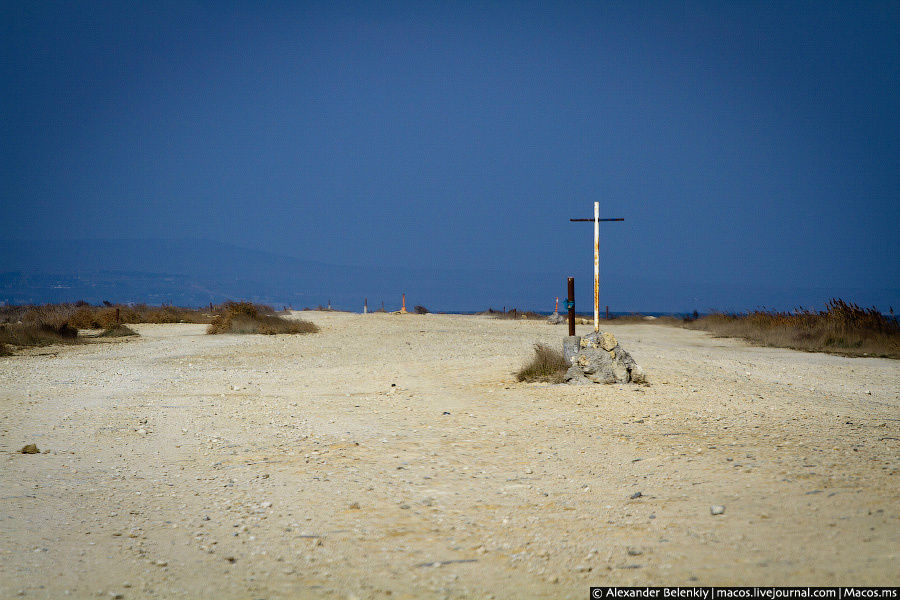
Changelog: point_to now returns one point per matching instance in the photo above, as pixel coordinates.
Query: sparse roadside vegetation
(842, 328)
(548, 365)
(246, 317)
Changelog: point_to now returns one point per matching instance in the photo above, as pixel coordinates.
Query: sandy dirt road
(397, 456)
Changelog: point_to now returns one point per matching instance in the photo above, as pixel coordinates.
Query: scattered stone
(634, 551)
(266, 504)
(446, 412)
(717, 509)
(30, 449)
(635, 495)
(230, 559)
(161, 563)
(556, 319)
(583, 569)
(354, 506)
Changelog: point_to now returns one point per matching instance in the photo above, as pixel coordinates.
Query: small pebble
(717, 509)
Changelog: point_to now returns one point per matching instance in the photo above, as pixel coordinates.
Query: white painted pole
(596, 266)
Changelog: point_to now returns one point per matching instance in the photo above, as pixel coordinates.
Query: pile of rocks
(556, 319)
(598, 358)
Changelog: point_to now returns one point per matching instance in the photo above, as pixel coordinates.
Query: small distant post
(403, 308)
(365, 305)
(570, 304)
(607, 312)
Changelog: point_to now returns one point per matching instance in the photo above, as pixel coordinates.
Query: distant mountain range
(197, 272)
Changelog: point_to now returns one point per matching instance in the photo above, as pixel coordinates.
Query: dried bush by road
(842, 328)
(82, 315)
(37, 334)
(547, 365)
(246, 317)
(118, 331)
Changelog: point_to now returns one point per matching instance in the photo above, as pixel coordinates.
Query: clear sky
(748, 143)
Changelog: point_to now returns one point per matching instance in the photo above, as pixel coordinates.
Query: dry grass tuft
(842, 328)
(5, 350)
(421, 310)
(246, 317)
(548, 365)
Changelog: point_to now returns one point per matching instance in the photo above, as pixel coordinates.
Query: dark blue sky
(748, 144)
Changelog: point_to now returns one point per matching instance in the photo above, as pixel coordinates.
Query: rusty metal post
(403, 308)
(596, 266)
(365, 305)
(607, 312)
(570, 304)
(118, 318)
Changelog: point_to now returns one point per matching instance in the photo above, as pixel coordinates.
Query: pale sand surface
(521, 491)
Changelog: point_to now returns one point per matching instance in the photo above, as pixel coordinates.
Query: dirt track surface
(186, 465)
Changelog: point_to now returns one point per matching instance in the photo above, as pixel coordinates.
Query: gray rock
(599, 339)
(600, 359)
(30, 449)
(556, 319)
(596, 364)
(717, 509)
(571, 347)
(638, 375)
(575, 376)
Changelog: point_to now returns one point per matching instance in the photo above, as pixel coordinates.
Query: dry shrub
(85, 316)
(842, 328)
(4, 350)
(37, 334)
(421, 310)
(547, 365)
(246, 317)
(118, 331)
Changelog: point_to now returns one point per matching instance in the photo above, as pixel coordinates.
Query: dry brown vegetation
(512, 313)
(118, 331)
(842, 328)
(37, 334)
(82, 315)
(548, 365)
(245, 317)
